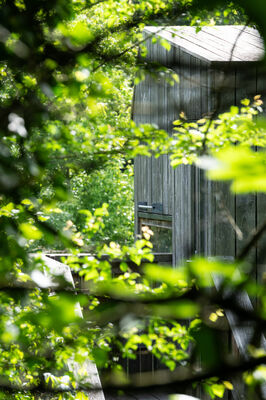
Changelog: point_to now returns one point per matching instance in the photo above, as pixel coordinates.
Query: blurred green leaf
(30, 231)
(245, 167)
(180, 309)
(173, 277)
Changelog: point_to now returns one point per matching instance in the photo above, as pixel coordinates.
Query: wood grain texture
(156, 168)
(246, 205)
(210, 41)
(163, 124)
(142, 165)
(224, 200)
(217, 43)
(173, 110)
(261, 245)
(185, 83)
(178, 245)
(205, 215)
(261, 198)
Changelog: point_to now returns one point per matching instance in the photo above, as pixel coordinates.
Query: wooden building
(217, 67)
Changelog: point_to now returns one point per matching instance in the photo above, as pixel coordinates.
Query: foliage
(244, 167)
(64, 67)
(111, 185)
(193, 139)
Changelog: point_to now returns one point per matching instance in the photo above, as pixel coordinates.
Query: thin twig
(252, 242)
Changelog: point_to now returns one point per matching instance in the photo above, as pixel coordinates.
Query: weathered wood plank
(137, 161)
(136, 194)
(173, 110)
(204, 88)
(156, 170)
(230, 36)
(250, 31)
(185, 83)
(261, 84)
(183, 216)
(207, 208)
(200, 192)
(207, 47)
(142, 165)
(225, 227)
(140, 111)
(195, 114)
(147, 160)
(221, 210)
(178, 248)
(200, 182)
(146, 361)
(224, 89)
(189, 47)
(246, 221)
(157, 217)
(195, 92)
(261, 198)
(174, 102)
(213, 43)
(198, 214)
(163, 124)
(186, 182)
(246, 207)
(246, 82)
(210, 210)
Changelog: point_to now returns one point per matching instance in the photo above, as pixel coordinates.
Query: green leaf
(80, 33)
(124, 267)
(245, 167)
(204, 269)
(30, 231)
(181, 309)
(175, 77)
(81, 396)
(165, 44)
(245, 102)
(218, 390)
(173, 277)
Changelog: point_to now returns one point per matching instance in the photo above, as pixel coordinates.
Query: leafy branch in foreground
(65, 105)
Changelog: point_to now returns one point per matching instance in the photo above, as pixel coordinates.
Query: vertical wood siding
(261, 198)
(207, 218)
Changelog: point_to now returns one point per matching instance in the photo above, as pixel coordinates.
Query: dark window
(162, 234)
